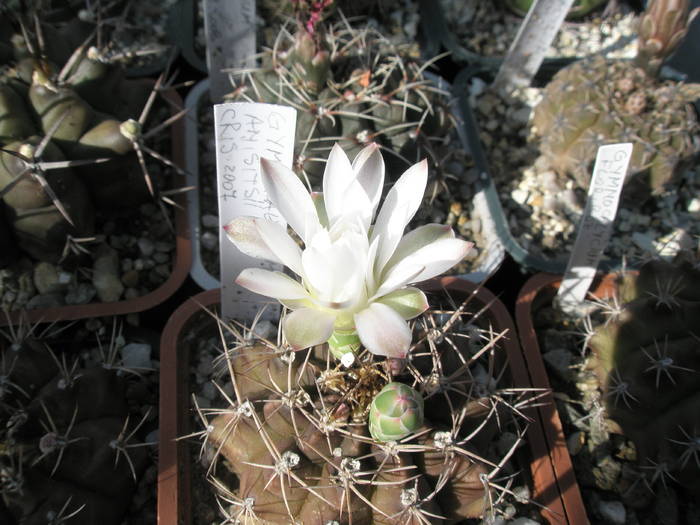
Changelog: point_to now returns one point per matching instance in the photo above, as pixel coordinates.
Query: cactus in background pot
(648, 360)
(71, 135)
(354, 87)
(68, 450)
(598, 101)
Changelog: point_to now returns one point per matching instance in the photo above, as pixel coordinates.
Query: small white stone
(613, 512)
(210, 221)
(136, 355)
(519, 196)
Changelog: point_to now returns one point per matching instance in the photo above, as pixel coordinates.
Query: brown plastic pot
(551, 480)
(181, 265)
(537, 291)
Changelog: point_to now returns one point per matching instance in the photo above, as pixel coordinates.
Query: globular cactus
(351, 86)
(648, 360)
(311, 440)
(579, 9)
(76, 121)
(597, 101)
(68, 450)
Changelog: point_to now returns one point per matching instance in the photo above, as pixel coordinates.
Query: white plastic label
(229, 26)
(596, 223)
(245, 133)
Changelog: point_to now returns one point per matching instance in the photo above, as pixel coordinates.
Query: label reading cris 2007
(596, 223)
(245, 133)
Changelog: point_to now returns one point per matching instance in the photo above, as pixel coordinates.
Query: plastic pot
(181, 263)
(554, 485)
(485, 200)
(182, 22)
(537, 291)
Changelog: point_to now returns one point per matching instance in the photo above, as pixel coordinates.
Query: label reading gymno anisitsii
(596, 223)
(245, 133)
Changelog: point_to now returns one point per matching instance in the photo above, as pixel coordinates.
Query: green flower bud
(395, 412)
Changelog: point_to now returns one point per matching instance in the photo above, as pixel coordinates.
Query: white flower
(354, 274)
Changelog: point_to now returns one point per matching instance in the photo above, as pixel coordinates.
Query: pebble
(130, 279)
(146, 247)
(49, 300)
(209, 240)
(136, 355)
(105, 276)
(575, 442)
(161, 257)
(81, 293)
(46, 278)
(210, 221)
(612, 512)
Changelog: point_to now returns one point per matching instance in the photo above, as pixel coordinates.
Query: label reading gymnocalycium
(596, 223)
(245, 133)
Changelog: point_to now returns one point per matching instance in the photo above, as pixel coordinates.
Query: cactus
(72, 139)
(648, 359)
(311, 440)
(597, 101)
(579, 9)
(354, 87)
(68, 450)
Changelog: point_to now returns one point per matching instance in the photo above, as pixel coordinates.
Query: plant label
(245, 133)
(596, 224)
(531, 44)
(229, 27)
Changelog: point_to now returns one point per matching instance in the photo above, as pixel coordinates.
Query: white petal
(417, 239)
(407, 302)
(281, 244)
(435, 258)
(307, 327)
(336, 178)
(383, 331)
(244, 233)
(271, 284)
(335, 269)
(290, 197)
(368, 166)
(398, 209)
(398, 278)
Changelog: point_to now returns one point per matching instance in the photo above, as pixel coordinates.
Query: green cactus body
(597, 102)
(52, 103)
(648, 360)
(40, 226)
(353, 87)
(15, 120)
(58, 435)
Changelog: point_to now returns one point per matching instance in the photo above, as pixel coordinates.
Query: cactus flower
(354, 272)
(396, 411)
